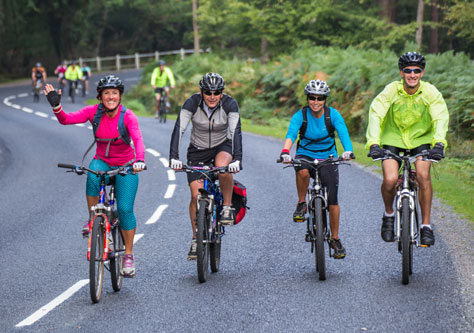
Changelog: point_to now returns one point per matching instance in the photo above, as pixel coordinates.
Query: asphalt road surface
(267, 280)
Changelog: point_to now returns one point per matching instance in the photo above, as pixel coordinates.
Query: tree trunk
(263, 49)
(388, 10)
(100, 30)
(434, 31)
(419, 23)
(195, 27)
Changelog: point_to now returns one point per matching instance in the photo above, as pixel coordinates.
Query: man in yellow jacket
(73, 74)
(408, 116)
(161, 80)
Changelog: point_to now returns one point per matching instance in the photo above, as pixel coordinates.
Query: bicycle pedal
(298, 220)
(424, 245)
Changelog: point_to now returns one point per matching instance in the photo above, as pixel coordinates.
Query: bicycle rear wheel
(116, 262)
(318, 231)
(96, 262)
(407, 251)
(202, 237)
(215, 249)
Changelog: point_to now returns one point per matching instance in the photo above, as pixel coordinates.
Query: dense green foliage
(52, 30)
(276, 90)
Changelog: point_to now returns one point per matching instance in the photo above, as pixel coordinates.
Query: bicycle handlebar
(203, 169)
(123, 170)
(411, 159)
(316, 162)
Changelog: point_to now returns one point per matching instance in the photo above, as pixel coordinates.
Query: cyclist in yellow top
(408, 116)
(161, 80)
(73, 73)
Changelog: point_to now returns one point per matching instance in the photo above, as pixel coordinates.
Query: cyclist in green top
(161, 80)
(408, 116)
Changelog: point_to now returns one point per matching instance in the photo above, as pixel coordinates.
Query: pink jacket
(119, 152)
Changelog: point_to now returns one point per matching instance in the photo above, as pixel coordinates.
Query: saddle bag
(239, 201)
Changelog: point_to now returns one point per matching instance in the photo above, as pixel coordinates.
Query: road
(267, 280)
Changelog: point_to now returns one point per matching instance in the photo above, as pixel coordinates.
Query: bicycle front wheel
(96, 262)
(215, 249)
(202, 237)
(318, 231)
(407, 250)
(116, 261)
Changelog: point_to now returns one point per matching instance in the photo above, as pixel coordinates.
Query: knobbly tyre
(317, 231)
(407, 209)
(105, 242)
(209, 230)
(163, 108)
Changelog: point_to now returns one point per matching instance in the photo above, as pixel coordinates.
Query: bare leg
(91, 201)
(390, 177)
(426, 189)
(302, 183)
(334, 213)
(128, 236)
(194, 187)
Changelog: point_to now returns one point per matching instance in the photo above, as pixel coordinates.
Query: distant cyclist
(73, 74)
(38, 73)
(219, 144)
(60, 71)
(161, 80)
(408, 116)
(86, 74)
(318, 143)
(112, 152)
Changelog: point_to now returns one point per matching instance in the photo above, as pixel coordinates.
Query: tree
(419, 23)
(195, 27)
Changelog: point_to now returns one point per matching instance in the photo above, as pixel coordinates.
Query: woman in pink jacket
(112, 151)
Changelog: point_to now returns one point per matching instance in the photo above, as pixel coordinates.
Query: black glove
(437, 153)
(376, 152)
(53, 98)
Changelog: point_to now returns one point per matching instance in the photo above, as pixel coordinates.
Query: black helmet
(161, 63)
(411, 59)
(110, 81)
(212, 81)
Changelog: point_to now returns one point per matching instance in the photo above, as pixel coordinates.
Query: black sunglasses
(408, 70)
(215, 93)
(319, 98)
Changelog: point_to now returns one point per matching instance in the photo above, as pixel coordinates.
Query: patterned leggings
(125, 191)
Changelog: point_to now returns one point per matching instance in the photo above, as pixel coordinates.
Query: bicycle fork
(406, 193)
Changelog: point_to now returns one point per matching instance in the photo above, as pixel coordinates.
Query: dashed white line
(54, 303)
(41, 114)
(153, 152)
(80, 125)
(23, 95)
(89, 127)
(11, 97)
(164, 161)
(16, 106)
(170, 191)
(54, 118)
(137, 238)
(28, 110)
(157, 214)
(171, 175)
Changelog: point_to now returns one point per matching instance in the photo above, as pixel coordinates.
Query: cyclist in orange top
(38, 73)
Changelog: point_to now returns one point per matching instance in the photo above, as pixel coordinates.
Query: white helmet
(317, 87)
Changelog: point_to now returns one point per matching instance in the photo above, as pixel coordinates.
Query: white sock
(388, 215)
(426, 226)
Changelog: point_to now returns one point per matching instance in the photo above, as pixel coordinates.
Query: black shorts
(407, 152)
(329, 175)
(197, 156)
(160, 90)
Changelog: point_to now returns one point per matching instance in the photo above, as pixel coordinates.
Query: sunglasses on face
(408, 70)
(318, 98)
(215, 93)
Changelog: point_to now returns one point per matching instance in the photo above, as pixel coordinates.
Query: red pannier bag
(239, 201)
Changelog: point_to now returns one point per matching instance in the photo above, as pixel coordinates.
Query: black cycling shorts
(329, 175)
(407, 152)
(198, 156)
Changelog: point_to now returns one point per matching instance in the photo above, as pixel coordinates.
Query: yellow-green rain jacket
(407, 121)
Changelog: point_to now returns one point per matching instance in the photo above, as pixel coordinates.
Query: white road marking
(11, 97)
(80, 125)
(16, 106)
(170, 191)
(157, 214)
(41, 114)
(54, 303)
(23, 95)
(54, 118)
(164, 161)
(27, 109)
(137, 238)
(89, 127)
(153, 152)
(171, 175)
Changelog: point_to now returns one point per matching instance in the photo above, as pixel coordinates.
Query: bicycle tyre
(72, 92)
(406, 244)
(202, 241)
(116, 262)
(215, 250)
(96, 262)
(318, 230)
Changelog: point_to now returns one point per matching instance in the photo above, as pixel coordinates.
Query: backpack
(123, 133)
(239, 201)
(329, 128)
